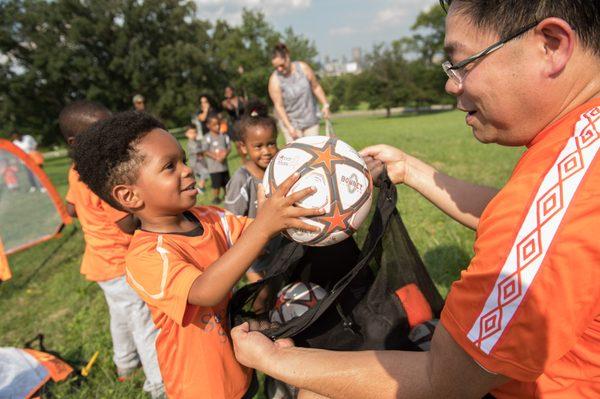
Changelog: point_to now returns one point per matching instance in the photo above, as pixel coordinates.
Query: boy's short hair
(106, 155)
(78, 116)
(211, 116)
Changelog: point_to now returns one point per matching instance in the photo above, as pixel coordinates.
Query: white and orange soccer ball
(343, 182)
(294, 300)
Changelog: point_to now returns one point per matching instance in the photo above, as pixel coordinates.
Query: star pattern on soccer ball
(326, 156)
(338, 220)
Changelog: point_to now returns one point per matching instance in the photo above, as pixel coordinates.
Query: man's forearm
(350, 375)
(461, 200)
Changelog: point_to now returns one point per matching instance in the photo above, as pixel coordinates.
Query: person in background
(195, 158)
(293, 87)
(28, 144)
(107, 233)
(206, 110)
(216, 147)
(235, 106)
(139, 103)
(258, 138)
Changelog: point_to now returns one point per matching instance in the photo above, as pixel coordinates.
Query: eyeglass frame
(450, 69)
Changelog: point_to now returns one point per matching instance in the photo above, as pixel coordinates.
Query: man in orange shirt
(107, 233)
(183, 260)
(524, 319)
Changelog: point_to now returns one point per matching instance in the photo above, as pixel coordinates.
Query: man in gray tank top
(293, 87)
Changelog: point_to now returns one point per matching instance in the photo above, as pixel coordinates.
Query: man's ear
(127, 197)
(558, 40)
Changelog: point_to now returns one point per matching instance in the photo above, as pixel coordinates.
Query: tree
(52, 53)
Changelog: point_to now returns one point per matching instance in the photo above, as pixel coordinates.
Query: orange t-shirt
(195, 354)
(528, 306)
(105, 244)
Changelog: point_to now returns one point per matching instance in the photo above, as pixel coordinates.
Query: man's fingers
(284, 343)
(240, 331)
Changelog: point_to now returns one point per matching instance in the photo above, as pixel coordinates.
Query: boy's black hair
(507, 16)
(191, 126)
(105, 154)
(256, 114)
(212, 115)
(78, 116)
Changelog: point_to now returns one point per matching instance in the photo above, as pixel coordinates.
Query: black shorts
(219, 179)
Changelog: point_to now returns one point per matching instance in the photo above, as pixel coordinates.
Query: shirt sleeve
(72, 179)
(515, 318)
(237, 195)
(162, 277)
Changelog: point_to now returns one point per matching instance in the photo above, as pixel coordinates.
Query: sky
(335, 26)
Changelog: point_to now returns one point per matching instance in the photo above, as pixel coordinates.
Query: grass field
(48, 295)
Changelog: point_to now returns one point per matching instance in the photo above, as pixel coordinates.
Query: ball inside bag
(294, 300)
(343, 182)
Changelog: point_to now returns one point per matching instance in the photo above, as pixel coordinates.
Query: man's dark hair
(78, 116)
(506, 17)
(105, 155)
(256, 115)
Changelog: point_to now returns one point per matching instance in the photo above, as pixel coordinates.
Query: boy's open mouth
(190, 187)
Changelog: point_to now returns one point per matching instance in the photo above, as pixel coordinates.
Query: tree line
(55, 52)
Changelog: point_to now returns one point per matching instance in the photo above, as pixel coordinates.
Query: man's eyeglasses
(457, 73)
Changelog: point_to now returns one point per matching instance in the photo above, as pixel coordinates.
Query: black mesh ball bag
(375, 295)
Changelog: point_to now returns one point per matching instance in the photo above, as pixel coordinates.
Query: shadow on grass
(445, 263)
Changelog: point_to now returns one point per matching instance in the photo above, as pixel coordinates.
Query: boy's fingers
(297, 212)
(299, 195)
(287, 184)
(297, 224)
(260, 195)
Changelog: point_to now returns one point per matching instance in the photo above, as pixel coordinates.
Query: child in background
(216, 148)
(257, 133)
(184, 260)
(107, 233)
(9, 170)
(195, 158)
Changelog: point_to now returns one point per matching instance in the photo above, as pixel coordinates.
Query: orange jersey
(528, 306)
(105, 244)
(194, 351)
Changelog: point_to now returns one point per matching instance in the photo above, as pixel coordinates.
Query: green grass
(48, 295)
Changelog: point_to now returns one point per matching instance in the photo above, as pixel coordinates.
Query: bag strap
(386, 206)
(329, 129)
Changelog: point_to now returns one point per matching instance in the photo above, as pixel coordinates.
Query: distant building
(335, 67)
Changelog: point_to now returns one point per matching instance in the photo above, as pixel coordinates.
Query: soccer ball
(343, 182)
(294, 300)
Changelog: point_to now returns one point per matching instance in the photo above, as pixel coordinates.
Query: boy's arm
(275, 214)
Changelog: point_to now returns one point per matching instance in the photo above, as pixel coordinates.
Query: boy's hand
(278, 212)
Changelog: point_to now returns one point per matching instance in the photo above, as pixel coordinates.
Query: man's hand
(252, 348)
(279, 212)
(394, 160)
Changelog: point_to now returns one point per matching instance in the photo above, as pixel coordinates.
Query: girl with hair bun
(257, 134)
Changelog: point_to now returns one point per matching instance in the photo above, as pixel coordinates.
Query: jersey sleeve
(527, 297)
(237, 197)
(161, 277)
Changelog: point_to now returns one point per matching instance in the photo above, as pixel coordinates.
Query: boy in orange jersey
(107, 233)
(184, 260)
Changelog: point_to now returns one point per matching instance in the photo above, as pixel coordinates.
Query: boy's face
(213, 125)
(260, 145)
(165, 185)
